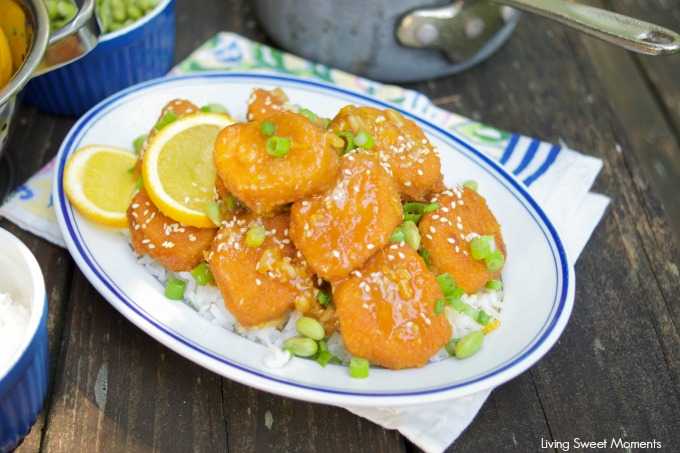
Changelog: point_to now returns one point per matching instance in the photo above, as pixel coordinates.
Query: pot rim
(40, 22)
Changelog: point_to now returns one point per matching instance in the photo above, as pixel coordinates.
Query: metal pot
(408, 40)
(47, 52)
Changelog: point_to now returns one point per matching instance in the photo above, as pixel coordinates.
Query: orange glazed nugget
(263, 181)
(404, 149)
(176, 246)
(446, 233)
(176, 107)
(386, 310)
(339, 229)
(259, 283)
(263, 103)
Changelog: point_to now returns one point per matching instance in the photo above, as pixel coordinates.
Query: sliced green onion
(495, 285)
(358, 368)
(278, 146)
(469, 344)
(140, 183)
(364, 140)
(131, 170)
(323, 346)
(477, 315)
(202, 274)
(324, 357)
(139, 142)
(301, 347)
(483, 318)
(482, 246)
(431, 207)
(438, 306)
(234, 203)
(324, 298)
(174, 288)
(397, 234)
(412, 235)
(494, 261)
(168, 118)
(456, 303)
(413, 211)
(349, 139)
(311, 116)
(214, 108)
(255, 236)
(446, 283)
(310, 328)
(470, 185)
(212, 210)
(268, 129)
(425, 255)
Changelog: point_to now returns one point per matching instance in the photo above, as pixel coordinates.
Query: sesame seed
(336, 254)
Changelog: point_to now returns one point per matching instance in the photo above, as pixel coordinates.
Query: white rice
(14, 317)
(207, 301)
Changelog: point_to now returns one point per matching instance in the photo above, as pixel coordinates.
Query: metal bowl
(46, 52)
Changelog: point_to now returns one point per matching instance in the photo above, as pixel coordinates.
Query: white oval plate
(538, 278)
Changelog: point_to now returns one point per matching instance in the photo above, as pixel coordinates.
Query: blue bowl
(141, 51)
(24, 376)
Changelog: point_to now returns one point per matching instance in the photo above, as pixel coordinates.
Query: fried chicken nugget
(259, 284)
(264, 182)
(340, 228)
(387, 310)
(264, 103)
(178, 247)
(404, 149)
(447, 232)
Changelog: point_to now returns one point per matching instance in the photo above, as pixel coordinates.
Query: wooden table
(614, 373)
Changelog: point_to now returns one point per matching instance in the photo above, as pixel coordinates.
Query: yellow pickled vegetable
(5, 60)
(13, 22)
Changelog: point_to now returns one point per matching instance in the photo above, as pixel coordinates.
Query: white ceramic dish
(538, 277)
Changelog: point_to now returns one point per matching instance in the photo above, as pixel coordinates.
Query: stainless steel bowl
(47, 52)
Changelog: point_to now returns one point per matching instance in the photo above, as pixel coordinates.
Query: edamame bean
(301, 347)
(310, 328)
(469, 344)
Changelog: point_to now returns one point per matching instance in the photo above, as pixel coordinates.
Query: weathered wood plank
(258, 421)
(118, 390)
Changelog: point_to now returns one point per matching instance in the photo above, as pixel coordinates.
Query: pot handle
(73, 40)
(623, 31)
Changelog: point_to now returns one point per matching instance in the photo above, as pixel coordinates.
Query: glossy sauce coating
(264, 182)
(404, 149)
(178, 247)
(446, 233)
(264, 103)
(340, 228)
(258, 284)
(386, 310)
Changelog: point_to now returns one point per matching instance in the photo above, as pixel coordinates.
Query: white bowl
(24, 377)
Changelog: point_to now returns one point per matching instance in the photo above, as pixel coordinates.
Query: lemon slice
(178, 167)
(98, 181)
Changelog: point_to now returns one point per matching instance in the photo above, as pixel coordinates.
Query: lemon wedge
(98, 182)
(178, 168)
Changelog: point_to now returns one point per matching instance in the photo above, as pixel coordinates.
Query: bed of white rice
(208, 302)
(14, 317)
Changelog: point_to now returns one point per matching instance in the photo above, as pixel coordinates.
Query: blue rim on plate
(403, 387)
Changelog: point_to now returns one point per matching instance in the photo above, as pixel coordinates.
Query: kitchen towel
(558, 178)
